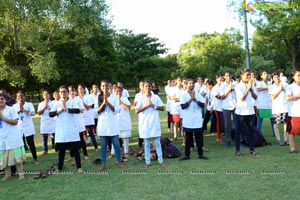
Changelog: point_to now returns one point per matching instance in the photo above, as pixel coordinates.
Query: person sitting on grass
(147, 108)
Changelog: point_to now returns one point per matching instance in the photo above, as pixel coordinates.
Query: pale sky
(172, 21)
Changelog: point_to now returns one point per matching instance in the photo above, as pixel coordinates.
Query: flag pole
(246, 39)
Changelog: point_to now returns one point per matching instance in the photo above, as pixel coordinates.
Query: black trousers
(83, 146)
(30, 142)
(189, 142)
(61, 157)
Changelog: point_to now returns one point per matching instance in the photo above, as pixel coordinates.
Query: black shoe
(203, 157)
(184, 158)
(293, 152)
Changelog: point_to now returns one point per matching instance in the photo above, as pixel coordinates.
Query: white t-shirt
(279, 104)
(294, 105)
(217, 103)
(229, 102)
(244, 107)
(263, 100)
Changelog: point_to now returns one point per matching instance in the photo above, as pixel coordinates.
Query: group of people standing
(71, 114)
(239, 105)
(190, 105)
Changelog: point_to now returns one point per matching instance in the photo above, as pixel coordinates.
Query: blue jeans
(259, 124)
(115, 142)
(92, 136)
(45, 143)
(227, 123)
(158, 150)
(244, 123)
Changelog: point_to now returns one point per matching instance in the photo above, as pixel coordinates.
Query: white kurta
(107, 120)
(79, 118)
(124, 120)
(66, 128)
(192, 115)
(88, 115)
(47, 123)
(25, 122)
(10, 135)
(175, 108)
(149, 123)
(94, 98)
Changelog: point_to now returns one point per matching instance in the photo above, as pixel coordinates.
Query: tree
(43, 42)
(205, 54)
(139, 55)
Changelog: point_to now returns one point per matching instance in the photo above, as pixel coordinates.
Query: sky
(173, 22)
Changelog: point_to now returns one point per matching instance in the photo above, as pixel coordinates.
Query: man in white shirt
(244, 112)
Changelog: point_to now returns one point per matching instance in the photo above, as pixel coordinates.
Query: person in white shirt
(279, 107)
(217, 107)
(88, 113)
(67, 129)
(228, 97)
(244, 112)
(293, 98)
(283, 78)
(175, 108)
(200, 87)
(125, 92)
(147, 108)
(136, 98)
(168, 88)
(12, 150)
(76, 101)
(208, 105)
(47, 125)
(124, 121)
(264, 101)
(25, 123)
(108, 127)
(192, 120)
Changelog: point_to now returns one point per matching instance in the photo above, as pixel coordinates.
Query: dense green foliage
(44, 44)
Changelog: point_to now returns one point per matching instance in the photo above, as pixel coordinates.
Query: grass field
(272, 176)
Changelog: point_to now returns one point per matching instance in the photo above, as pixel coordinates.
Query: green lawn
(272, 176)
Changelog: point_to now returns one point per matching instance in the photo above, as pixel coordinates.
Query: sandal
(253, 153)
(238, 154)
